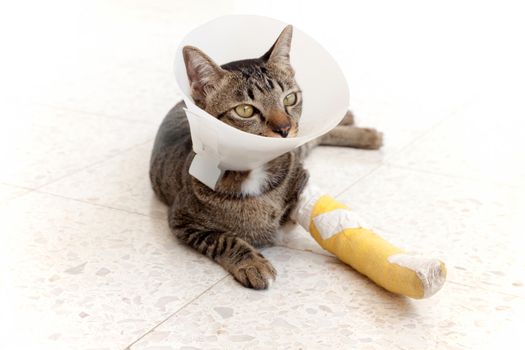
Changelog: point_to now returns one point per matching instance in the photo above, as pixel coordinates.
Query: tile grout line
(426, 131)
(37, 190)
(177, 311)
(18, 196)
(98, 114)
(451, 176)
(16, 186)
(376, 168)
(73, 172)
(100, 205)
(95, 164)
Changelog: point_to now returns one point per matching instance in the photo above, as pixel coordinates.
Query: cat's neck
(255, 182)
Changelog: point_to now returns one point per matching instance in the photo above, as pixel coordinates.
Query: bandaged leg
(340, 231)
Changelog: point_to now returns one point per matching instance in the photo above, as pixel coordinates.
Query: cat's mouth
(280, 125)
(281, 133)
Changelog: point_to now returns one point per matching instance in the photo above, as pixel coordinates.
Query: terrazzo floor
(87, 260)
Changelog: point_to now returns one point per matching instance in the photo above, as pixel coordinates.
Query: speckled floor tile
(77, 276)
(80, 275)
(43, 144)
(318, 303)
(121, 182)
(474, 226)
(482, 142)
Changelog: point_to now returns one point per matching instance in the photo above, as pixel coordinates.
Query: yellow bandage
(340, 231)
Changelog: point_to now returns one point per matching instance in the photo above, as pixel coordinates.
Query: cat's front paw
(370, 138)
(255, 272)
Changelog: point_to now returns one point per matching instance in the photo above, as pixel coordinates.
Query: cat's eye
(290, 99)
(245, 111)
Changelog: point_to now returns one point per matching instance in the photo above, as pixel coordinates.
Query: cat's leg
(240, 259)
(345, 135)
(348, 119)
(352, 136)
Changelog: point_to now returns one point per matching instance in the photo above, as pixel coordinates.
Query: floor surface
(86, 256)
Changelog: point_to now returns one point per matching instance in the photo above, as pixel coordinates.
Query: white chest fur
(255, 182)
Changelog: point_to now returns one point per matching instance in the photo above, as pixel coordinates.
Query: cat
(259, 96)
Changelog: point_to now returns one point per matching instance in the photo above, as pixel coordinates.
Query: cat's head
(259, 96)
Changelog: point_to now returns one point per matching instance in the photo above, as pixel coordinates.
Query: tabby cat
(259, 96)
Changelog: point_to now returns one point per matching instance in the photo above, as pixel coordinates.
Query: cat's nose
(279, 122)
(283, 130)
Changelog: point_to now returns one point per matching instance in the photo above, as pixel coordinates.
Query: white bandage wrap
(428, 270)
(307, 200)
(335, 221)
(330, 223)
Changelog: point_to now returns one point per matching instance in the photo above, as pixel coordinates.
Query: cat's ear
(203, 73)
(279, 53)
